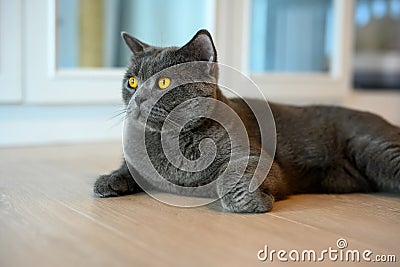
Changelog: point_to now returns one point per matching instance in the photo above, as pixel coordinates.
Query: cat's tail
(374, 149)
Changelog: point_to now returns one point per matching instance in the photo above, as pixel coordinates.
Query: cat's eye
(133, 82)
(163, 83)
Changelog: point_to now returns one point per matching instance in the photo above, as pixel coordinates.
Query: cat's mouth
(151, 119)
(156, 118)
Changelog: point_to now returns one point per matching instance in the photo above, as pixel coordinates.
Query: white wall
(35, 125)
(386, 104)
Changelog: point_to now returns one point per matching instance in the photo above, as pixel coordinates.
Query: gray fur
(320, 149)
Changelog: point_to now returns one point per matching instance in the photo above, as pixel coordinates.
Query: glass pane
(291, 35)
(377, 44)
(88, 31)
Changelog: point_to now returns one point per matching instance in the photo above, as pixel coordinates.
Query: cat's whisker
(120, 114)
(118, 122)
(117, 115)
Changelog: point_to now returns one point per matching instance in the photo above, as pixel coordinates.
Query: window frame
(49, 85)
(233, 36)
(10, 52)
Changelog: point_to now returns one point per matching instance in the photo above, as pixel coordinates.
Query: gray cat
(320, 149)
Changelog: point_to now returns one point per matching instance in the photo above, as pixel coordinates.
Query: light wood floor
(48, 217)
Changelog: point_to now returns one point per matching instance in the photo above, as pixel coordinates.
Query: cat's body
(319, 148)
(336, 150)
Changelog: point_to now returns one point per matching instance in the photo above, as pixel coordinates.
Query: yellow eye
(133, 82)
(163, 83)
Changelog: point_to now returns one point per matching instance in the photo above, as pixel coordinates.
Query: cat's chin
(145, 124)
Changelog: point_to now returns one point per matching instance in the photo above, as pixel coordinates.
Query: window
(88, 31)
(377, 45)
(291, 36)
(291, 48)
(75, 45)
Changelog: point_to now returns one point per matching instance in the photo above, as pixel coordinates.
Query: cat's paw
(256, 202)
(111, 185)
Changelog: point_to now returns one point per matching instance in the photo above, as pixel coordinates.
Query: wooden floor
(48, 217)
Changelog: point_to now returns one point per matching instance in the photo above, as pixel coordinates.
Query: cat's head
(149, 76)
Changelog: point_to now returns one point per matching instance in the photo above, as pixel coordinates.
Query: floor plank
(49, 217)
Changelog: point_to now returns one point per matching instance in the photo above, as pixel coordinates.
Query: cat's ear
(134, 44)
(200, 48)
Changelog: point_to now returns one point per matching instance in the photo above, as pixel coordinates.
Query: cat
(320, 149)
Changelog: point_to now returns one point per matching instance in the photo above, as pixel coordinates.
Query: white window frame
(233, 34)
(10, 51)
(47, 84)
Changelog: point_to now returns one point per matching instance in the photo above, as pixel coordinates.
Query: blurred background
(61, 61)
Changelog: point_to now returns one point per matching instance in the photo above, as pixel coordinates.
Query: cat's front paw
(111, 185)
(256, 202)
